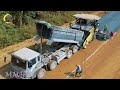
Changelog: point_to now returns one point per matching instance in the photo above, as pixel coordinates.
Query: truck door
(37, 65)
(32, 65)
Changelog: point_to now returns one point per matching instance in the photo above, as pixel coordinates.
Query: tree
(20, 18)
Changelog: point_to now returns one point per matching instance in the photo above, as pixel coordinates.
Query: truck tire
(74, 49)
(41, 73)
(52, 65)
(69, 53)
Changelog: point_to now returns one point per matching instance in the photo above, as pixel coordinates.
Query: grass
(61, 17)
(11, 37)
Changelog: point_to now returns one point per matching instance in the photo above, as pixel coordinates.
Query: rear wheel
(74, 49)
(41, 73)
(69, 53)
(52, 65)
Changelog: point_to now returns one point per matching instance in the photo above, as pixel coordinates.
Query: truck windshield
(18, 62)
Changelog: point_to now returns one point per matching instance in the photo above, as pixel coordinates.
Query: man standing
(78, 70)
(111, 35)
(107, 32)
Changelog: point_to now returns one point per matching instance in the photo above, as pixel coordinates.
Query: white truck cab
(26, 61)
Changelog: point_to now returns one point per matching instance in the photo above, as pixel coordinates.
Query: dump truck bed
(59, 34)
(66, 35)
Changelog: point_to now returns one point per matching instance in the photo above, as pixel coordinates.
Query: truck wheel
(69, 53)
(41, 73)
(52, 65)
(74, 49)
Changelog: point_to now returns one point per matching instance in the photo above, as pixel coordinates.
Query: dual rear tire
(51, 65)
(72, 50)
(41, 73)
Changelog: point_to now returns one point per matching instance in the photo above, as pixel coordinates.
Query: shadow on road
(100, 39)
(4, 69)
(70, 74)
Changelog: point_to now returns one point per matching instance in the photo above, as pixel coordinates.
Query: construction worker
(5, 58)
(106, 32)
(78, 70)
(111, 35)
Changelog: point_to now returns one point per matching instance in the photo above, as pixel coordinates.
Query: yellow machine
(89, 36)
(87, 23)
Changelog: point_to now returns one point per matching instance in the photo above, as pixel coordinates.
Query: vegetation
(24, 24)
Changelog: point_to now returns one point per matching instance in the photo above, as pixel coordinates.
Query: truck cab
(26, 62)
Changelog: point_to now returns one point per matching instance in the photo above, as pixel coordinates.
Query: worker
(5, 58)
(106, 32)
(111, 35)
(78, 70)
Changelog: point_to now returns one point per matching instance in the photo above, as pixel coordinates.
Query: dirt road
(99, 62)
(5, 66)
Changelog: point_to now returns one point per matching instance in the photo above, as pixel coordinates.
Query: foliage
(24, 23)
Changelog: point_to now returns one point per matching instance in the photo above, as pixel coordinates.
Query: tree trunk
(20, 18)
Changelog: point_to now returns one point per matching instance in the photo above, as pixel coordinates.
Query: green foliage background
(10, 35)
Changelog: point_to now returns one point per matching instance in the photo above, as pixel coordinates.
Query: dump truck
(32, 64)
(81, 33)
(62, 43)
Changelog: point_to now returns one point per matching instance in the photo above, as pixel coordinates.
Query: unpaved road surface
(62, 70)
(101, 60)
